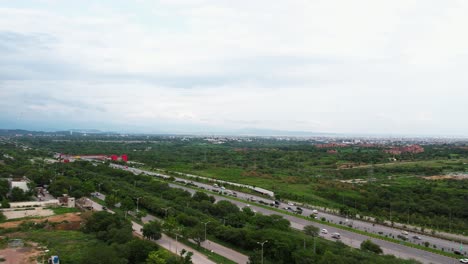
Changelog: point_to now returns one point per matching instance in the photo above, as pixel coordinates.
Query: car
(291, 204)
(465, 260)
(222, 187)
(298, 208)
(314, 211)
(456, 252)
(404, 233)
(417, 237)
(336, 235)
(324, 231)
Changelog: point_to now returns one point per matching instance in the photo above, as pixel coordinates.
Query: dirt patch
(447, 177)
(70, 218)
(24, 255)
(28, 213)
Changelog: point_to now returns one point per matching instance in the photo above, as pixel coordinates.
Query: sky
(196, 66)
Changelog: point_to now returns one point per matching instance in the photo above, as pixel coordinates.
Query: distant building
(414, 149)
(21, 183)
(67, 201)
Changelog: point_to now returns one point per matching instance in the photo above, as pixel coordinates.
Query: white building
(20, 183)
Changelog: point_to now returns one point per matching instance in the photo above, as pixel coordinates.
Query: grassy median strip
(428, 249)
(211, 255)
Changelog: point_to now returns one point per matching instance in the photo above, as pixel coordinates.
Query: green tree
(197, 233)
(157, 257)
(371, 246)
(152, 230)
(138, 250)
(17, 195)
(127, 205)
(102, 254)
(311, 230)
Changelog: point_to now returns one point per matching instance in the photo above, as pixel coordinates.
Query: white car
(291, 204)
(324, 231)
(465, 260)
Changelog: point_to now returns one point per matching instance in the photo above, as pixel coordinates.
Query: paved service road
(165, 241)
(210, 245)
(349, 238)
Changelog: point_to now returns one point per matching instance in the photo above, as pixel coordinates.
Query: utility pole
(138, 199)
(176, 241)
(390, 213)
(262, 243)
(408, 215)
(450, 220)
(314, 246)
(205, 223)
(165, 210)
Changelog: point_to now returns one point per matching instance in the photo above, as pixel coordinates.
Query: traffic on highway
(328, 232)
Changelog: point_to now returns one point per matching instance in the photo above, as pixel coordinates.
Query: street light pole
(205, 223)
(262, 243)
(138, 199)
(165, 210)
(176, 241)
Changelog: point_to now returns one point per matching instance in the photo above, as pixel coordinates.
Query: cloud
(336, 66)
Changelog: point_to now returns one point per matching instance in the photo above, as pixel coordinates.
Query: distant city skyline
(181, 66)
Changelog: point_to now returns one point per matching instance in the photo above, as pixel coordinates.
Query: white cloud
(338, 66)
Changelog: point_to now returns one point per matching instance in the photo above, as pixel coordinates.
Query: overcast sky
(392, 67)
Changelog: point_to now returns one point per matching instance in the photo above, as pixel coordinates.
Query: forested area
(184, 214)
(296, 170)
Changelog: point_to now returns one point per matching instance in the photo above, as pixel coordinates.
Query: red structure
(124, 157)
(406, 149)
(114, 157)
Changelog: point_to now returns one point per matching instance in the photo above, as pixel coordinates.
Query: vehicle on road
(336, 235)
(465, 260)
(291, 204)
(404, 233)
(324, 231)
(314, 211)
(104, 208)
(417, 237)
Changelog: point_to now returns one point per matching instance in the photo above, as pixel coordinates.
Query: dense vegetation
(300, 171)
(185, 215)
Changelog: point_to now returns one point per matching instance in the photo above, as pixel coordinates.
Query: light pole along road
(347, 237)
(165, 241)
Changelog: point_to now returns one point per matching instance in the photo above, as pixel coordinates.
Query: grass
(68, 245)
(432, 250)
(211, 255)
(63, 210)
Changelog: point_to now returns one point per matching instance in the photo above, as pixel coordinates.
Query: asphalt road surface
(347, 237)
(165, 241)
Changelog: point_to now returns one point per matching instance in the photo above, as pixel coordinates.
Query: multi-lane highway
(165, 241)
(174, 246)
(347, 237)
